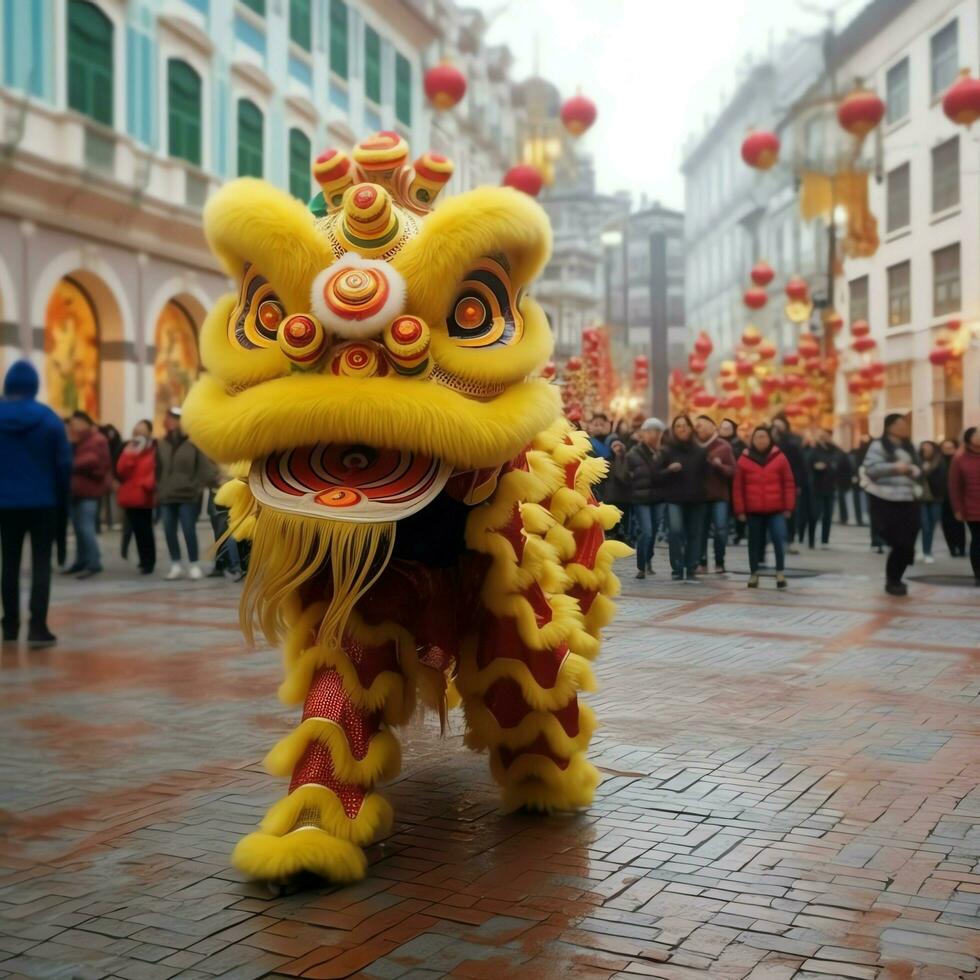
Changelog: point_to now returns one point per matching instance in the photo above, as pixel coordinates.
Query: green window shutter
(184, 111)
(250, 139)
(339, 34)
(372, 64)
(299, 165)
(299, 23)
(256, 6)
(403, 89)
(90, 50)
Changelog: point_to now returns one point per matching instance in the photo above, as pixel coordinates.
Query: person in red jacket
(137, 473)
(964, 492)
(764, 495)
(91, 477)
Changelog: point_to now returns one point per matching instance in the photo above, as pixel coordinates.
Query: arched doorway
(177, 362)
(71, 349)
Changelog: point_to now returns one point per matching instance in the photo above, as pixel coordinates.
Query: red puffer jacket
(137, 472)
(964, 484)
(91, 466)
(766, 488)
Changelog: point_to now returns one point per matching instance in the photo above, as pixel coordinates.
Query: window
(256, 6)
(403, 89)
(299, 23)
(898, 386)
(899, 294)
(183, 111)
(338, 38)
(944, 58)
(858, 298)
(946, 175)
(250, 139)
(897, 91)
(299, 165)
(372, 64)
(946, 280)
(90, 55)
(898, 210)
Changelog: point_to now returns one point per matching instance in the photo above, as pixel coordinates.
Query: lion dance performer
(421, 520)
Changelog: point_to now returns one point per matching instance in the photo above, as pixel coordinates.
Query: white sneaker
(929, 560)
(196, 572)
(175, 572)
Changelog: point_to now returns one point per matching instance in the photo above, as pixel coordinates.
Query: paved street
(790, 789)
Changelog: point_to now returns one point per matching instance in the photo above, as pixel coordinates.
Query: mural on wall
(71, 348)
(177, 363)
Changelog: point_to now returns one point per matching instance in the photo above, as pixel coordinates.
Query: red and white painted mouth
(352, 483)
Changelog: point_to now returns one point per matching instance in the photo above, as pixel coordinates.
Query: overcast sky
(655, 69)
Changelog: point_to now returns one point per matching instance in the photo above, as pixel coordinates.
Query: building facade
(119, 117)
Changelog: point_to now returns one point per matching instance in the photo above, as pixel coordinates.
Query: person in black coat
(685, 462)
(954, 531)
(791, 447)
(728, 430)
(843, 470)
(646, 478)
(823, 459)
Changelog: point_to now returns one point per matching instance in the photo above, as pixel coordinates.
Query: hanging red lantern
(703, 345)
(860, 111)
(793, 408)
(833, 321)
(860, 328)
(524, 177)
(797, 291)
(876, 367)
(444, 85)
(954, 325)
(744, 368)
(808, 345)
(737, 400)
(704, 399)
(695, 364)
(961, 103)
(641, 361)
(578, 114)
(940, 355)
(759, 399)
(856, 386)
(762, 273)
(590, 338)
(730, 384)
(767, 350)
(809, 399)
(574, 363)
(760, 149)
(755, 297)
(751, 336)
(791, 358)
(863, 344)
(548, 371)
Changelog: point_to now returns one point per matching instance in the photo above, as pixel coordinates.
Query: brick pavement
(790, 790)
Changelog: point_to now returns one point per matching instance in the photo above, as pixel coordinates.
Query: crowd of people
(60, 472)
(702, 483)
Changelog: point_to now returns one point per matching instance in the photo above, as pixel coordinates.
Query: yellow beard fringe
(288, 550)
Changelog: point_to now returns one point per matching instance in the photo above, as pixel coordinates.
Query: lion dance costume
(421, 519)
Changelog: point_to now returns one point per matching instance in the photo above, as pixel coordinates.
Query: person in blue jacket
(35, 472)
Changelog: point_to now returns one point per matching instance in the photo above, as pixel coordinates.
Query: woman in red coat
(137, 474)
(764, 495)
(964, 492)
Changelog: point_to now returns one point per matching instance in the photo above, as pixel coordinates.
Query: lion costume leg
(337, 754)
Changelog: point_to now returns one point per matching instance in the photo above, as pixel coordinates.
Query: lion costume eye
(485, 313)
(255, 320)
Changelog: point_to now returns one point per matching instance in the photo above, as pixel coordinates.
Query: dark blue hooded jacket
(35, 458)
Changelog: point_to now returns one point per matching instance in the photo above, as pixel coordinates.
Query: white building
(119, 117)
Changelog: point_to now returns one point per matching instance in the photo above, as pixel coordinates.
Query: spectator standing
(954, 530)
(616, 488)
(764, 495)
(107, 510)
(892, 473)
(228, 560)
(685, 494)
(137, 473)
(935, 476)
(646, 480)
(728, 430)
(792, 448)
(964, 492)
(34, 479)
(855, 461)
(91, 477)
(183, 472)
(823, 460)
(842, 470)
(718, 489)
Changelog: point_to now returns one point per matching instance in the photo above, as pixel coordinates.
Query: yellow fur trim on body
(382, 760)
(320, 806)
(536, 783)
(484, 731)
(268, 858)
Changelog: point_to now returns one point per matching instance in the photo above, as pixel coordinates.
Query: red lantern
(703, 345)
(743, 368)
(860, 328)
(524, 177)
(730, 384)
(548, 371)
(791, 358)
(940, 355)
(793, 408)
(704, 399)
(751, 336)
(808, 345)
(695, 364)
(856, 386)
(797, 290)
(578, 114)
(755, 298)
(641, 361)
(863, 344)
(767, 351)
(833, 321)
(760, 149)
(573, 363)
(762, 273)
(676, 378)
(954, 325)
(859, 112)
(961, 103)
(590, 338)
(444, 85)
(759, 399)
(737, 401)
(809, 400)
(876, 367)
